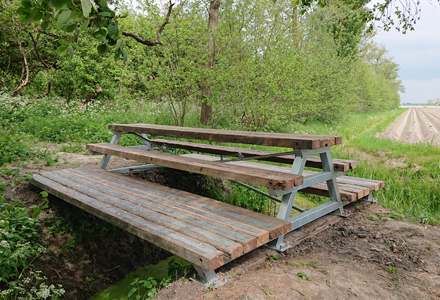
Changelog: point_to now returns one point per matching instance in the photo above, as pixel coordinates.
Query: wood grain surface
(298, 141)
(198, 229)
(266, 178)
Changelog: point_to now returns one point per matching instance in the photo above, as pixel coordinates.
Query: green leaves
(86, 6)
(102, 49)
(59, 3)
(62, 49)
(63, 19)
(67, 21)
(36, 15)
(113, 30)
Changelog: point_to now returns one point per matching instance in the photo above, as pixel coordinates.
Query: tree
(67, 15)
(206, 111)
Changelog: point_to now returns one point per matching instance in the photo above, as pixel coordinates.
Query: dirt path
(367, 256)
(416, 125)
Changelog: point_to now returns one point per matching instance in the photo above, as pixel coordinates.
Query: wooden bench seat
(298, 141)
(350, 188)
(312, 161)
(266, 178)
(201, 230)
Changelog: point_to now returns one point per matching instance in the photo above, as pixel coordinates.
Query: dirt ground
(366, 256)
(369, 255)
(416, 125)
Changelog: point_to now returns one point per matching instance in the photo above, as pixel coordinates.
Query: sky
(418, 54)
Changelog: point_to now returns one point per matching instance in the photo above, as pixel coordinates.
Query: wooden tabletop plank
(312, 161)
(192, 250)
(276, 227)
(297, 141)
(275, 180)
(245, 234)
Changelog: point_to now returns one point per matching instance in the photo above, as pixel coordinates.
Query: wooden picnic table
(279, 184)
(204, 231)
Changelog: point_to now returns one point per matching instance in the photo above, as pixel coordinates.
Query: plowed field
(416, 125)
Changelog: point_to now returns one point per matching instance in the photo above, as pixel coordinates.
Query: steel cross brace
(114, 141)
(336, 205)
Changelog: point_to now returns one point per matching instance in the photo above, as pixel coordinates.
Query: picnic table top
(296, 141)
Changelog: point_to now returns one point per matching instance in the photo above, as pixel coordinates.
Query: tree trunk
(206, 111)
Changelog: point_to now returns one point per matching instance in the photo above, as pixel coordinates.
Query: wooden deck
(201, 230)
(297, 141)
(350, 188)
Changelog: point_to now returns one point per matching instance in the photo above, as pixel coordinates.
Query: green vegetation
(146, 282)
(20, 245)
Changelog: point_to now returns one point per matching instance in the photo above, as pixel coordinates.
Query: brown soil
(351, 256)
(367, 256)
(416, 125)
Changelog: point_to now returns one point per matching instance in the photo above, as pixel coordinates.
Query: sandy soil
(416, 125)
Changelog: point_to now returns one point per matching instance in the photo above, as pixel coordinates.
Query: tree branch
(48, 33)
(45, 93)
(35, 41)
(159, 32)
(26, 80)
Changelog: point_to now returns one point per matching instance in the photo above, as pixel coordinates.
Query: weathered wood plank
(275, 180)
(276, 227)
(300, 141)
(189, 220)
(152, 212)
(351, 188)
(312, 161)
(192, 250)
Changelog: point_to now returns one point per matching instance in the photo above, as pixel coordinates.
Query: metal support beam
(369, 198)
(328, 175)
(105, 159)
(135, 169)
(266, 194)
(205, 277)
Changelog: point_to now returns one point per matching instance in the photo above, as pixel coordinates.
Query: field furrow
(416, 125)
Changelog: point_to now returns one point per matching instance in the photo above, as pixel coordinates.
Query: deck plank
(249, 236)
(192, 250)
(199, 229)
(276, 227)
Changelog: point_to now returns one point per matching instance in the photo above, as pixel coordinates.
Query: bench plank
(299, 141)
(153, 212)
(350, 188)
(270, 179)
(312, 161)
